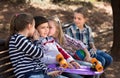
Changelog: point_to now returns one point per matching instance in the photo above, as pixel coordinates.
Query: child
(68, 43)
(24, 55)
(49, 44)
(79, 30)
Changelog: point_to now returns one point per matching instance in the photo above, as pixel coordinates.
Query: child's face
(43, 29)
(52, 27)
(79, 19)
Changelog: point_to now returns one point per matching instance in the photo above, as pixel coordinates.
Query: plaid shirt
(84, 35)
(71, 44)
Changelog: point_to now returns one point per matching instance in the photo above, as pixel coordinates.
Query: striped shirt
(24, 55)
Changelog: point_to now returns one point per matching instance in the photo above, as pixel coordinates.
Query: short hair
(82, 11)
(39, 20)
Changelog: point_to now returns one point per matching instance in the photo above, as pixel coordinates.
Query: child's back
(23, 53)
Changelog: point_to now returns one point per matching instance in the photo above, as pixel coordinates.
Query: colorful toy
(80, 55)
(84, 70)
(96, 65)
(60, 59)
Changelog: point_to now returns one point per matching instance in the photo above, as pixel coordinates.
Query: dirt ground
(99, 14)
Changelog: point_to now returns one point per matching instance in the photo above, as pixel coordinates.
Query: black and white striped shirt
(23, 55)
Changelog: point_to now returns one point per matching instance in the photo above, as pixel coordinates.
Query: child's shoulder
(18, 37)
(68, 25)
(87, 26)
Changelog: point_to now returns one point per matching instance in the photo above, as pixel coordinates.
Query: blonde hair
(59, 31)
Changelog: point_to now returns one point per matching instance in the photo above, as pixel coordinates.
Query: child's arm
(65, 54)
(68, 58)
(76, 44)
(87, 57)
(54, 73)
(25, 45)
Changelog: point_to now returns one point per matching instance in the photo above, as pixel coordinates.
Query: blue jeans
(104, 58)
(40, 74)
(36, 74)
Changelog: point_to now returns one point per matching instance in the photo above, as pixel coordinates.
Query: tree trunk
(116, 29)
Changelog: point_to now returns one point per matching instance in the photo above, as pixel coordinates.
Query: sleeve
(68, 31)
(28, 47)
(64, 53)
(77, 44)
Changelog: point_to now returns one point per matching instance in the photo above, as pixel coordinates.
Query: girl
(24, 55)
(67, 42)
(79, 30)
(50, 46)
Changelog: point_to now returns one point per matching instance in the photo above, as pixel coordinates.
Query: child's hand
(87, 58)
(36, 35)
(55, 73)
(93, 51)
(75, 64)
(70, 66)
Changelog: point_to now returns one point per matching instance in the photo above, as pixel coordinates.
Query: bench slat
(5, 67)
(4, 53)
(4, 60)
(8, 74)
(6, 70)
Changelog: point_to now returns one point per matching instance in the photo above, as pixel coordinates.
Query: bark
(115, 52)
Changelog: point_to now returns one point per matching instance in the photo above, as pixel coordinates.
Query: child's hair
(59, 30)
(39, 20)
(82, 11)
(19, 22)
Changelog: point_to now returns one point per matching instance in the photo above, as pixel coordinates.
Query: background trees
(116, 29)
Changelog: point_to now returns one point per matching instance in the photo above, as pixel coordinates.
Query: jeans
(104, 58)
(40, 74)
(36, 74)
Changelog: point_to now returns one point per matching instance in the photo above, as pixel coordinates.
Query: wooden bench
(6, 70)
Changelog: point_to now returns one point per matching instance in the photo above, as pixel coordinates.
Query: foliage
(18, 1)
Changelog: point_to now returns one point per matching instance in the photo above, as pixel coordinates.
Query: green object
(80, 55)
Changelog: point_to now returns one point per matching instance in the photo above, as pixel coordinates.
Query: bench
(6, 70)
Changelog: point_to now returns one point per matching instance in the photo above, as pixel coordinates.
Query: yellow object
(60, 59)
(97, 65)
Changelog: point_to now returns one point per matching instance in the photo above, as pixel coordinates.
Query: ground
(99, 14)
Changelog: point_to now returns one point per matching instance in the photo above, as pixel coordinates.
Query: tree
(116, 29)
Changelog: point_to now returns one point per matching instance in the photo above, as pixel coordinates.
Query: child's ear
(29, 26)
